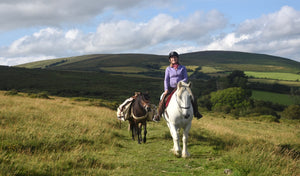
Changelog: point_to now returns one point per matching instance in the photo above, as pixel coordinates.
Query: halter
(177, 95)
(141, 117)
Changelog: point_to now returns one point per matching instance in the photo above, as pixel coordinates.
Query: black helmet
(173, 53)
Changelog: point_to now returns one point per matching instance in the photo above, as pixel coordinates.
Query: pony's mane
(182, 85)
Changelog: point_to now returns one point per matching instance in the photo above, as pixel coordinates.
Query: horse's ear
(190, 84)
(179, 84)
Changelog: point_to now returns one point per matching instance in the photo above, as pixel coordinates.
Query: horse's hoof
(185, 155)
(176, 153)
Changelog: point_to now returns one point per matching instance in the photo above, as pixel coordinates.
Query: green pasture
(278, 98)
(208, 69)
(124, 69)
(255, 67)
(190, 68)
(60, 136)
(274, 75)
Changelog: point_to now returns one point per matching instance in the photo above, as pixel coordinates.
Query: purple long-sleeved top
(173, 76)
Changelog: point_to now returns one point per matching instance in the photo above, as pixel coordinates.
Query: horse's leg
(186, 130)
(175, 135)
(132, 129)
(139, 132)
(145, 131)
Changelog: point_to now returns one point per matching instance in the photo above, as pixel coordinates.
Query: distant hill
(221, 60)
(115, 77)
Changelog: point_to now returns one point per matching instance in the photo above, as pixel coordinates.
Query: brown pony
(139, 115)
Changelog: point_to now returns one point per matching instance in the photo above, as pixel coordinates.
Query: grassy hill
(221, 60)
(77, 84)
(59, 136)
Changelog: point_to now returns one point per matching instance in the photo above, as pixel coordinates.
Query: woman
(173, 74)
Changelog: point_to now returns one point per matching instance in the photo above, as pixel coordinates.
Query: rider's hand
(165, 92)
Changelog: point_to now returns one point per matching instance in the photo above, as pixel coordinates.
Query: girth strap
(139, 118)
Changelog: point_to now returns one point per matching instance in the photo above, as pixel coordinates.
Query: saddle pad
(169, 98)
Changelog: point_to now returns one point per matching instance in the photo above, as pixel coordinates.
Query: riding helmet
(173, 53)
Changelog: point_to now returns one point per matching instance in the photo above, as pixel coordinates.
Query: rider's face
(173, 59)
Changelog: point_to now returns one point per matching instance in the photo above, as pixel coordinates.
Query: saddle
(168, 98)
(124, 109)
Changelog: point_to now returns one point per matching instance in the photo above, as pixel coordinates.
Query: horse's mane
(187, 86)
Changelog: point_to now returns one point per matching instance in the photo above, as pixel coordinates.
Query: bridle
(144, 103)
(177, 97)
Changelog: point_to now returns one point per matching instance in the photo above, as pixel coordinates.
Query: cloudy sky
(32, 30)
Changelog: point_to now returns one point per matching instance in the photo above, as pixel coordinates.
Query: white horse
(179, 114)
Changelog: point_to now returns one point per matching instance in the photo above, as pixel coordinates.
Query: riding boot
(195, 108)
(161, 106)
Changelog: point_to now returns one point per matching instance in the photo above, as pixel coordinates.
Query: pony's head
(181, 86)
(184, 98)
(144, 100)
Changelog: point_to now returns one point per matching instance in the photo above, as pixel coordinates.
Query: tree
(292, 112)
(228, 99)
(236, 78)
(295, 94)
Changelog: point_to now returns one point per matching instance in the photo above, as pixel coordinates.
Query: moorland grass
(278, 98)
(60, 136)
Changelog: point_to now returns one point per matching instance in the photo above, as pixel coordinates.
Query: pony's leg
(139, 132)
(175, 135)
(145, 132)
(132, 131)
(185, 152)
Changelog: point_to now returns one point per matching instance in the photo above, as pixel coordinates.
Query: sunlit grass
(274, 75)
(60, 136)
(206, 69)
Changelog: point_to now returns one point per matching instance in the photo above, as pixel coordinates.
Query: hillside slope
(223, 60)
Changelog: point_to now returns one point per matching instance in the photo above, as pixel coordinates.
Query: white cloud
(276, 34)
(115, 37)
(22, 60)
(29, 13)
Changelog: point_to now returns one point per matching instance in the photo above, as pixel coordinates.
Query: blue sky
(34, 30)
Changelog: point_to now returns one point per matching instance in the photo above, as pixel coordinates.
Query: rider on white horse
(174, 74)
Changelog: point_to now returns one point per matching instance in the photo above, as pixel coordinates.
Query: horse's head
(184, 98)
(144, 100)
